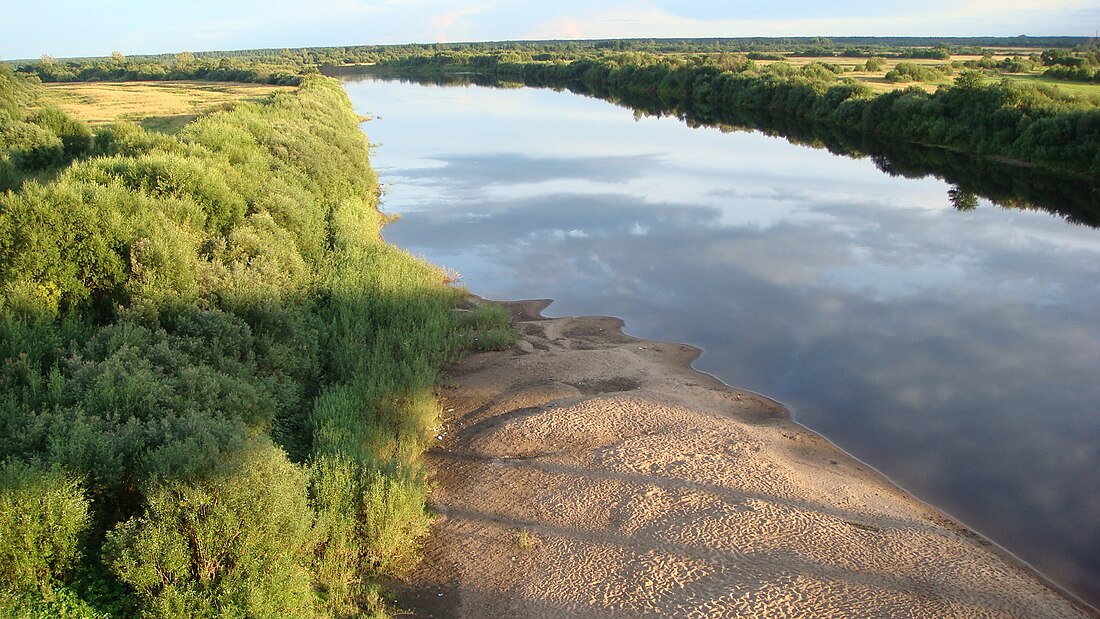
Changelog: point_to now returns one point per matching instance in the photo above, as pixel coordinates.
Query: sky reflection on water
(956, 352)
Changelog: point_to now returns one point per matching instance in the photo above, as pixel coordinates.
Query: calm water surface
(958, 352)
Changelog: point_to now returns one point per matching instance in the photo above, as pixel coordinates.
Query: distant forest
(841, 45)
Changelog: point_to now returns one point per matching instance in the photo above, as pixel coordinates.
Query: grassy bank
(216, 380)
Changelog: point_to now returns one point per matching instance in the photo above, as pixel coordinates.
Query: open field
(158, 106)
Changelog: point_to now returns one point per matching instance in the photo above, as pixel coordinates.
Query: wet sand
(587, 473)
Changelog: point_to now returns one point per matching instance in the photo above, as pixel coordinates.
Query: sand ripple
(592, 474)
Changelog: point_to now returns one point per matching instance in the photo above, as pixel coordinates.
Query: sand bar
(588, 473)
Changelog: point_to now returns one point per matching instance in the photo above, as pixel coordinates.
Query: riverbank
(587, 472)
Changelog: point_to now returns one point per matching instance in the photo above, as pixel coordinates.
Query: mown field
(158, 106)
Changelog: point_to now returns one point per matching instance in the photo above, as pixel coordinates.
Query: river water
(956, 351)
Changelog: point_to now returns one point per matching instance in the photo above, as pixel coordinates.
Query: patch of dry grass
(159, 106)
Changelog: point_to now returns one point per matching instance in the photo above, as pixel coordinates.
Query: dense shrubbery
(1077, 66)
(1075, 74)
(285, 66)
(34, 142)
(216, 379)
(912, 72)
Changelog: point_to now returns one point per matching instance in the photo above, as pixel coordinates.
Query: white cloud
(81, 28)
(968, 18)
(446, 26)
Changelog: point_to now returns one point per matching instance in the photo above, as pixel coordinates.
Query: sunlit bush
(42, 514)
(237, 544)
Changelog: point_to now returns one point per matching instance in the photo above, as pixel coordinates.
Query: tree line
(216, 379)
(275, 64)
(182, 66)
(1082, 65)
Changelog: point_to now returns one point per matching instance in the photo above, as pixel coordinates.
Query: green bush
(394, 519)
(874, 64)
(235, 545)
(31, 147)
(912, 72)
(63, 604)
(489, 327)
(211, 184)
(43, 513)
(75, 136)
(336, 498)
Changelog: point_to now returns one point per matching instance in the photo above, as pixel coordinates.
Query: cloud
(443, 25)
(703, 19)
(81, 28)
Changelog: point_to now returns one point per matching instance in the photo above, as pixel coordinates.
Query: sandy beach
(587, 473)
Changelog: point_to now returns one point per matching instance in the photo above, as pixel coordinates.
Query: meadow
(156, 106)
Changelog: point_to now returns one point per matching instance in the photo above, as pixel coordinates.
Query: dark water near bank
(956, 351)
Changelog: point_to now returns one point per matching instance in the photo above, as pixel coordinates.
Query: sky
(67, 28)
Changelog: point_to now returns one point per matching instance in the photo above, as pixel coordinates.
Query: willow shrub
(43, 513)
(237, 544)
(208, 330)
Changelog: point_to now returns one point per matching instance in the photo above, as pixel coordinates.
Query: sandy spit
(591, 474)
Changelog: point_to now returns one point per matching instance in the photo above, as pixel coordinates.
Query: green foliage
(42, 514)
(912, 72)
(1073, 74)
(394, 518)
(126, 138)
(336, 499)
(489, 327)
(63, 603)
(368, 519)
(183, 318)
(76, 138)
(235, 545)
(62, 245)
(121, 69)
(970, 79)
(15, 94)
(30, 146)
(173, 175)
(34, 141)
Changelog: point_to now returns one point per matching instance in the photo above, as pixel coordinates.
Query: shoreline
(542, 304)
(985, 540)
(590, 472)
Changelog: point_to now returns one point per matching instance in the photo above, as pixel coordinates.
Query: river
(957, 351)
